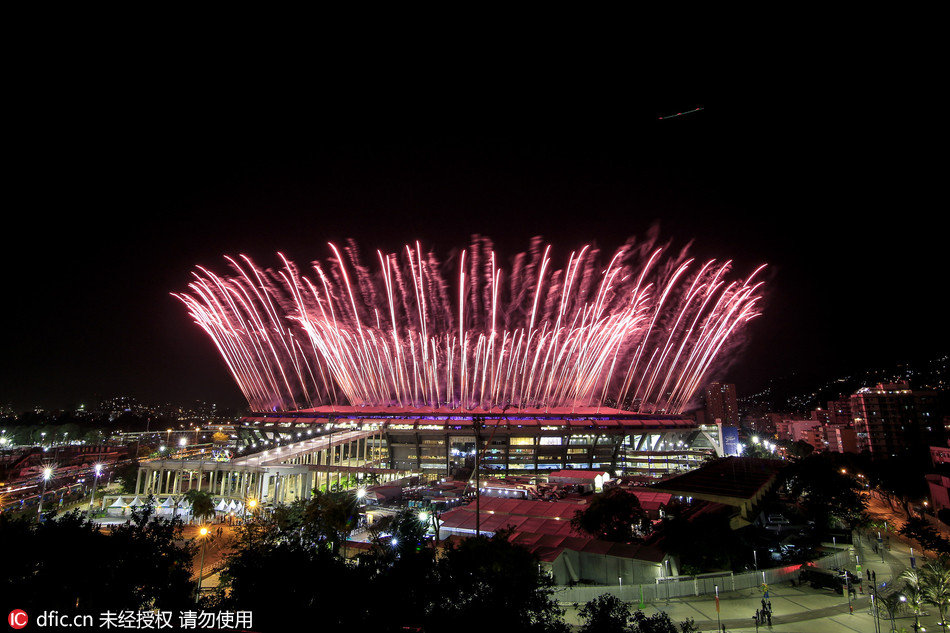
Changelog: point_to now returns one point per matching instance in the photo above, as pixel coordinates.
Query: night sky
(119, 184)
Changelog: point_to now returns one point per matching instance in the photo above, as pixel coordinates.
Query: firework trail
(678, 114)
(639, 332)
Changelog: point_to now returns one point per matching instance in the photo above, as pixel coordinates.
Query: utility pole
(478, 490)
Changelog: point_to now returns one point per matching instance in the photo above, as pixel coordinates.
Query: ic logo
(18, 618)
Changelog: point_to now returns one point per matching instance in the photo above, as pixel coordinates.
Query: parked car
(822, 579)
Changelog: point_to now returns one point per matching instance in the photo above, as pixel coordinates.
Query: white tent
(117, 507)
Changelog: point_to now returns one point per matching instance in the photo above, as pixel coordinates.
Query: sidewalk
(795, 609)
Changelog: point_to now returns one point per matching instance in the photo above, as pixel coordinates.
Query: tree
(481, 576)
(332, 517)
(659, 622)
(925, 534)
(936, 586)
(143, 565)
(605, 614)
(405, 532)
(285, 580)
(679, 535)
(758, 450)
(798, 449)
(202, 504)
(913, 591)
(127, 476)
(895, 602)
(407, 587)
(613, 515)
(825, 492)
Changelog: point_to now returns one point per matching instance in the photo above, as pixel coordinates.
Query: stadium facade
(285, 456)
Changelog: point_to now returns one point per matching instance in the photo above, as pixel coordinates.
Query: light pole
(425, 516)
(718, 621)
(847, 590)
(893, 624)
(94, 484)
(875, 610)
(47, 475)
(204, 539)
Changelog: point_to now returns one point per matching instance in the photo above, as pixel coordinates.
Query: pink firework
(639, 332)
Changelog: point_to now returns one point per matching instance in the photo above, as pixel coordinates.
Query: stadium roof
(579, 417)
(734, 481)
(542, 527)
(730, 480)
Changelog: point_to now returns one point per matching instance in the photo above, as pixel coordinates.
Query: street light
(425, 517)
(94, 484)
(204, 534)
(718, 621)
(47, 475)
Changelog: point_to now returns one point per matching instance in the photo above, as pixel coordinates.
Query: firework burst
(639, 331)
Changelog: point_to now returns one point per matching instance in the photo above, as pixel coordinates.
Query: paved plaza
(798, 609)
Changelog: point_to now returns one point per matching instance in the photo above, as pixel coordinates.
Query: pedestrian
(756, 615)
(770, 606)
(769, 616)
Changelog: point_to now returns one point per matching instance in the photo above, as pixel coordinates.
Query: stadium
(410, 371)
(288, 455)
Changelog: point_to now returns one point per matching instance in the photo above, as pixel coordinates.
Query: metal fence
(690, 586)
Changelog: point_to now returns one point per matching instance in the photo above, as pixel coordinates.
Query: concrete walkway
(796, 609)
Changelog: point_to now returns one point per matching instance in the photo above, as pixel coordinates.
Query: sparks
(640, 333)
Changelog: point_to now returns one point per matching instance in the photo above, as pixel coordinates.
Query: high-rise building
(891, 418)
(839, 411)
(840, 439)
(808, 431)
(722, 404)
